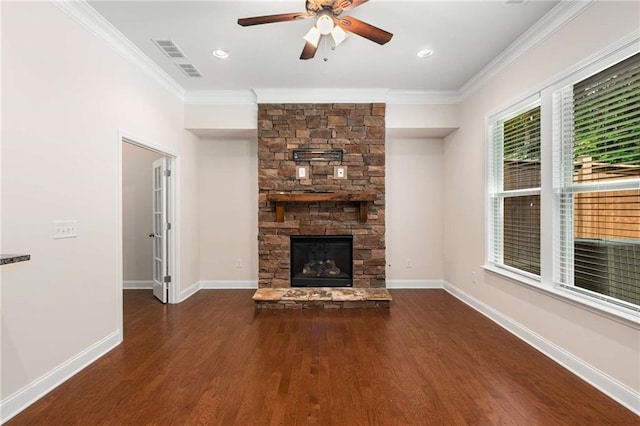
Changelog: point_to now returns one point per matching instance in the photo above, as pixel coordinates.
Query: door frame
(173, 187)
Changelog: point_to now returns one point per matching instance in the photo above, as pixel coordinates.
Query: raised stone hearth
(322, 297)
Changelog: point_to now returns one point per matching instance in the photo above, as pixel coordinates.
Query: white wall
(434, 120)
(62, 108)
(137, 207)
(61, 112)
(228, 211)
(229, 205)
(609, 346)
(243, 116)
(414, 196)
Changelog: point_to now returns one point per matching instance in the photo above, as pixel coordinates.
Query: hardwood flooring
(215, 360)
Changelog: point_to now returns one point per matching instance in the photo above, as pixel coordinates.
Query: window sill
(624, 316)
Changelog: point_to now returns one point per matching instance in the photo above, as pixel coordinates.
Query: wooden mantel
(307, 197)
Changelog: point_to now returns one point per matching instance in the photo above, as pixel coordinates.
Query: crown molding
(319, 96)
(313, 95)
(553, 21)
(423, 97)
(220, 97)
(95, 23)
(288, 96)
(559, 16)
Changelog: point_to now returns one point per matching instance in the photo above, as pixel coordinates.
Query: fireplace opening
(321, 261)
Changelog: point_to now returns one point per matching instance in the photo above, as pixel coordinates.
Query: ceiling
(465, 37)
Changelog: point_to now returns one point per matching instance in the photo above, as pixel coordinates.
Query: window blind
(607, 123)
(597, 181)
(521, 146)
(515, 195)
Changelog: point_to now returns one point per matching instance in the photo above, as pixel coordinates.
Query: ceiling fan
(328, 22)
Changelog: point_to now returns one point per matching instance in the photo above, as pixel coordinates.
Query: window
(514, 191)
(597, 184)
(563, 186)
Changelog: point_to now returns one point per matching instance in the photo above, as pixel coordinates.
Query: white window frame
(495, 224)
(563, 185)
(549, 222)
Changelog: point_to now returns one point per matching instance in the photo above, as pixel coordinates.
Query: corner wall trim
(550, 23)
(95, 23)
(18, 401)
(137, 285)
(407, 284)
(188, 292)
(620, 392)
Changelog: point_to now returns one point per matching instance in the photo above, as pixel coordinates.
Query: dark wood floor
(215, 360)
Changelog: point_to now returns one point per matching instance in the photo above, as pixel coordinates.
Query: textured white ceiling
(465, 36)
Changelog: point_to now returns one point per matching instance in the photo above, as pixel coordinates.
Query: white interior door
(161, 229)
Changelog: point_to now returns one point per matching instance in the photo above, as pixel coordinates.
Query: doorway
(148, 231)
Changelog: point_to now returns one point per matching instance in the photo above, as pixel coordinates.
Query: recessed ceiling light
(425, 53)
(220, 54)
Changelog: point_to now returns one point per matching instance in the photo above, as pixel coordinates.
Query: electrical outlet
(302, 172)
(409, 263)
(65, 229)
(340, 172)
(238, 263)
(473, 277)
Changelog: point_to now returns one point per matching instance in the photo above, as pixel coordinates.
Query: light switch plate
(339, 172)
(302, 172)
(65, 229)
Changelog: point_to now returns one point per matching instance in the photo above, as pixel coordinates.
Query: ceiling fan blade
(363, 29)
(268, 19)
(350, 4)
(309, 51)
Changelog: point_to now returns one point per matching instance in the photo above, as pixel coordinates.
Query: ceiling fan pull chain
(324, 46)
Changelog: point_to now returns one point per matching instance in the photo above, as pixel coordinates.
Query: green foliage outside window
(607, 115)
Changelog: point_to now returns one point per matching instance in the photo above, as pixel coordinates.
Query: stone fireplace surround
(358, 130)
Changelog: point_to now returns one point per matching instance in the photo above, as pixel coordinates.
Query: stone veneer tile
(358, 129)
(321, 294)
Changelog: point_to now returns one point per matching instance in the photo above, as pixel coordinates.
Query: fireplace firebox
(321, 261)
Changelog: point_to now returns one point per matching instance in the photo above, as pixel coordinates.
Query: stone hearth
(322, 297)
(350, 205)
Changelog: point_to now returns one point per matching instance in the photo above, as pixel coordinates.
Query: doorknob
(151, 235)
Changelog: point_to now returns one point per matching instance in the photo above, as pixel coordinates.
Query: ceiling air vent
(190, 70)
(169, 48)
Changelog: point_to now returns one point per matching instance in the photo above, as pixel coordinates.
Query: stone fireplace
(330, 197)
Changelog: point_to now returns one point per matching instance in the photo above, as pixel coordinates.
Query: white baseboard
(188, 292)
(216, 285)
(18, 401)
(407, 284)
(137, 285)
(228, 285)
(620, 392)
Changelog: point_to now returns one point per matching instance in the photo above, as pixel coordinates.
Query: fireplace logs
(321, 268)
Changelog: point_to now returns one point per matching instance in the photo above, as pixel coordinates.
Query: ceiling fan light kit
(324, 24)
(328, 22)
(339, 35)
(313, 36)
(322, 28)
